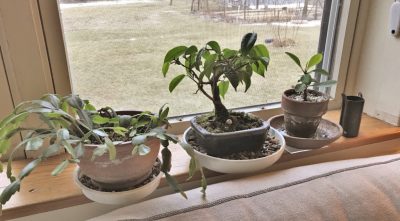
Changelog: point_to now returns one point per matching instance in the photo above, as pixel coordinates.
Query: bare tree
(305, 9)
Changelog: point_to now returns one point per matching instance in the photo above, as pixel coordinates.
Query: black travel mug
(350, 117)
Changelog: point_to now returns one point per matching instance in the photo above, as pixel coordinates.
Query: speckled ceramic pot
(302, 118)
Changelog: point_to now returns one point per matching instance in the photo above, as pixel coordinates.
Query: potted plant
(115, 150)
(303, 107)
(213, 70)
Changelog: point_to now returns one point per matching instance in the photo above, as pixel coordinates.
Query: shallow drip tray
(326, 133)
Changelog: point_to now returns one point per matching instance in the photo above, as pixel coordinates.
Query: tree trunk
(221, 113)
(192, 7)
(170, 2)
(305, 9)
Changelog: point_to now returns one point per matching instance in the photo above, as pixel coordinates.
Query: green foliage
(64, 130)
(217, 68)
(306, 80)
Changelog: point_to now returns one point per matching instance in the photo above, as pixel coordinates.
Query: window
(116, 47)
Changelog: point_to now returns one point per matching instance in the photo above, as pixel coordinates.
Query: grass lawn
(116, 52)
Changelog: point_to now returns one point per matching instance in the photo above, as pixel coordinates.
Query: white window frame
(46, 17)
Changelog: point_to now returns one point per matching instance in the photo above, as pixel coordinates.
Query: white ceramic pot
(239, 166)
(118, 198)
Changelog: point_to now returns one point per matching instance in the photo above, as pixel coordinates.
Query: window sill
(41, 193)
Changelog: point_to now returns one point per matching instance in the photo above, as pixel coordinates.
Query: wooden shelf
(40, 192)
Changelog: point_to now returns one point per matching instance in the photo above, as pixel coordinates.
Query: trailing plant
(306, 80)
(216, 68)
(63, 130)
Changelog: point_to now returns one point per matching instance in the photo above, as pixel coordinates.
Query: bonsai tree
(63, 130)
(218, 68)
(306, 80)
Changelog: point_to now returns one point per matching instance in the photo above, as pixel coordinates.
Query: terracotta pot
(302, 118)
(222, 144)
(126, 170)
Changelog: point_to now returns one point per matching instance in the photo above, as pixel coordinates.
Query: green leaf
(120, 130)
(14, 119)
(191, 50)
(262, 51)
(143, 149)
(192, 168)
(198, 58)
(314, 60)
(175, 82)
(124, 121)
(295, 59)
(203, 181)
(79, 151)
(265, 62)
(165, 68)
(248, 42)
(53, 99)
(135, 150)
(300, 87)
(228, 53)
(29, 167)
(52, 150)
(174, 53)
(139, 139)
(233, 79)
(164, 113)
(34, 143)
(306, 79)
(60, 168)
(4, 145)
(174, 184)
(112, 151)
(99, 151)
(214, 46)
(327, 83)
(88, 106)
(166, 160)
(320, 71)
(75, 102)
(223, 88)
(97, 119)
(69, 148)
(99, 132)
(62, 134)
(10, 190)
(247, 80)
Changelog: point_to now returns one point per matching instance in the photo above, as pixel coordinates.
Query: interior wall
(375, 62)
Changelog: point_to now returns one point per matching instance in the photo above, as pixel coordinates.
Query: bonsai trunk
(305, 94)
(221, 113)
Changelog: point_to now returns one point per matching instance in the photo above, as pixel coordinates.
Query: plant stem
(305, 94)
(221, 113)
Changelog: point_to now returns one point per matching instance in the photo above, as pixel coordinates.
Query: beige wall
(375, 63)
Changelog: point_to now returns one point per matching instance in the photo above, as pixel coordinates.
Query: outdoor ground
(116, 52)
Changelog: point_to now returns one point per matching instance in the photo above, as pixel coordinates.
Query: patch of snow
(299, 23)
(292, 5)
(103, 3)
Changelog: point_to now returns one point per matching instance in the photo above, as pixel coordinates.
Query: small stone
(229, 122)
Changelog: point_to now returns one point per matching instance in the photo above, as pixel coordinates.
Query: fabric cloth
(360, 189)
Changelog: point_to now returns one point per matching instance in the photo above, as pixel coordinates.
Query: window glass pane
(116, 48)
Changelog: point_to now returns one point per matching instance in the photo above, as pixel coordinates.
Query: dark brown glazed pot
(302, 118)
(223, 144)
(126, 170)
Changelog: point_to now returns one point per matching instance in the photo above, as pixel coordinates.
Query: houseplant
(116, 141)
(222, 132)
(303, 107)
